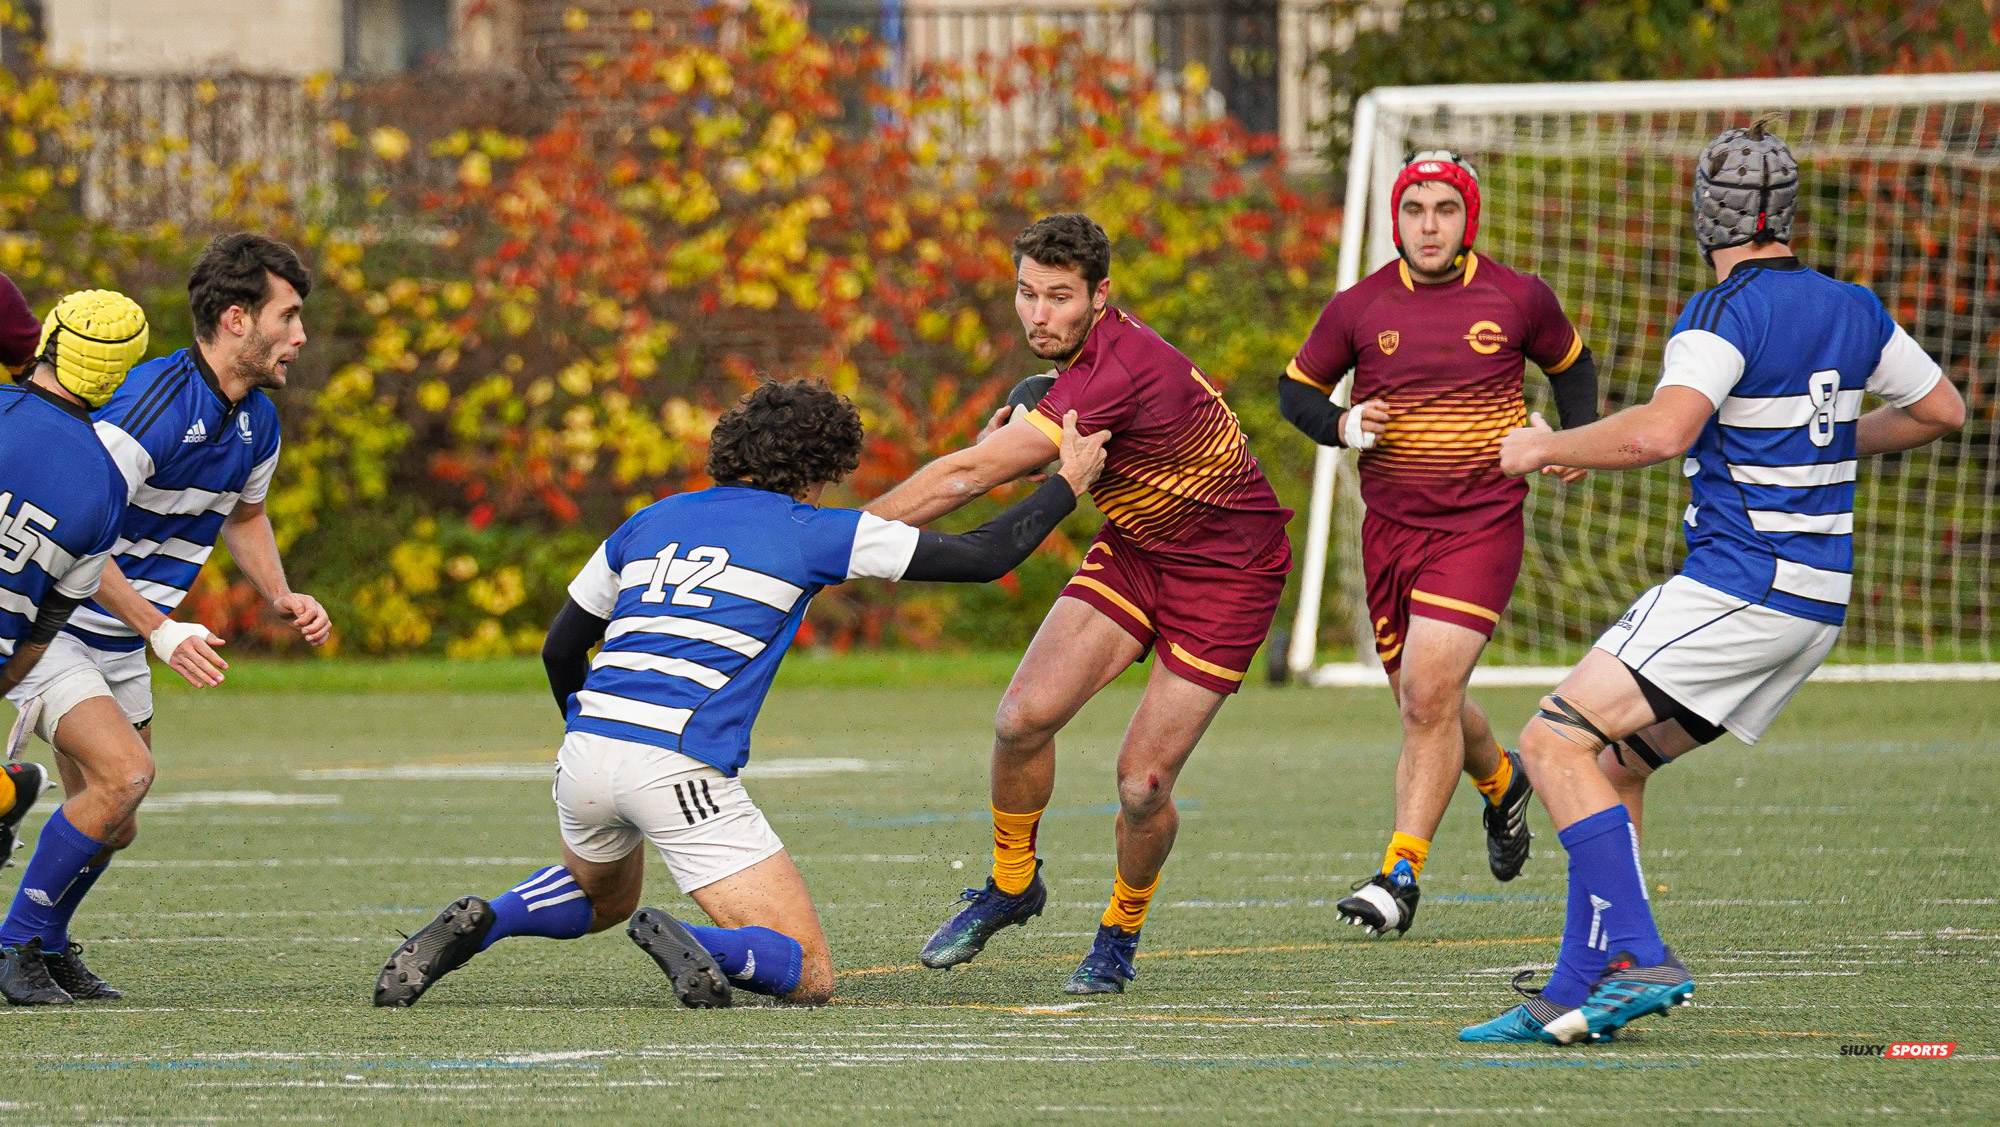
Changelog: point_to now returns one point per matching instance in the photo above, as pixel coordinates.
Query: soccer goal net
(1589, 186)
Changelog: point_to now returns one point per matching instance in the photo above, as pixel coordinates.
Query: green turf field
(1839, 884)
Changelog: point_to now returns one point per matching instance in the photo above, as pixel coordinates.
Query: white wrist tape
(168, 636)
(1351, 432)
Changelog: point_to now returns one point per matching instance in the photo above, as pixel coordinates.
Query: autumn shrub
(511, 357)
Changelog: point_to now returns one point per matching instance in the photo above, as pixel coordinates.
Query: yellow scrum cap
(93, 337)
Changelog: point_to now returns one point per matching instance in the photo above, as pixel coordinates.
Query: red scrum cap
(1445, 167)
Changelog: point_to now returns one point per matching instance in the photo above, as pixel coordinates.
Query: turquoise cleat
(1525, 1024)
(1624, 993)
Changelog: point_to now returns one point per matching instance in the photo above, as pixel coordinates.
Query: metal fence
(1253, 60)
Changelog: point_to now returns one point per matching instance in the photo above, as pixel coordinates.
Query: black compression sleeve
(1309, 409)
(51, 615)
(1575, 389)
(566, 653)
(996, 547)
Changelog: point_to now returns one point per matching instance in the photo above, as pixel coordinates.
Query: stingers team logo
(1485, 337)
(1388, 339)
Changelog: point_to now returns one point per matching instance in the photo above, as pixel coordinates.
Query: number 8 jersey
(1785, 354)
(703, 592)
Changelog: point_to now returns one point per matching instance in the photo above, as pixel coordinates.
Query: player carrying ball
(1762, 392)
(1438, 341)
(1189, 565)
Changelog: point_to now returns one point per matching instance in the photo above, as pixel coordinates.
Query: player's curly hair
(786, 437)
(235, 270)
(1067, 242)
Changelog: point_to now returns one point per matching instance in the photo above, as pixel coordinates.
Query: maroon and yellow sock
(1014, 850)
(1128, 905)
(1494, 786)
(1403, 847)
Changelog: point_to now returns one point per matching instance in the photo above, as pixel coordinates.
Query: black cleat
(987, 911)
(24, 979)
(698, 982)
(1507, 833)
(444, 945)
(30, 780)
(1381, 903)
(68, 971)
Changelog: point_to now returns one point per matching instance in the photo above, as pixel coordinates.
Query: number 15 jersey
(704, 592)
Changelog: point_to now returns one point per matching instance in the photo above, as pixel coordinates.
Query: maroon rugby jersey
(1448, 361)
(1178, 476)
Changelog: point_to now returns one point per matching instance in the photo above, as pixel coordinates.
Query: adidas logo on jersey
(196, 433)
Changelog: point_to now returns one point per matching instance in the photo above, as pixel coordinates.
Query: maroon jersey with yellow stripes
(1448, 360)
(1178, 476)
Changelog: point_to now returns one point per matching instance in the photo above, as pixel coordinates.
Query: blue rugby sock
(55, 937)
(548, 904)
(756, 959)
(1608, 906)
(61, 853)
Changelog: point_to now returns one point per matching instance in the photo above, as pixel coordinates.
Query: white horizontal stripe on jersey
(1783, 412)
(51, 556)
(686, 628)
(6, 647)
(1688, 517)
(132, 459)
(182, 502)
(159, 594)
(97, 622)
(1823, 524)
(15, 602)
(624, 710)
(1794, 477)
(173, 547)
(1812, 582)
(667, 666)
(732, 580)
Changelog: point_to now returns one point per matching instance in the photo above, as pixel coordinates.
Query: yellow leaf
(389, 142)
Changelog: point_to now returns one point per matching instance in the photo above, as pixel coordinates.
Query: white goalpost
(1588, 185)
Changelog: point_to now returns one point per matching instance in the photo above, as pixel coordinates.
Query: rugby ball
(1027, 394)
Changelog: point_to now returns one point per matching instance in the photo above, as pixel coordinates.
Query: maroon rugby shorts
(1460, 577)
(1205, 622)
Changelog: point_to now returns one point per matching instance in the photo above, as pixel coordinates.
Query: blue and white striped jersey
(188, 456)
(703, 592)
(61, 499)
(1785, 354)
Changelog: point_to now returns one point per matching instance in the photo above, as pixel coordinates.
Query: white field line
(175, 803)
(541, 772)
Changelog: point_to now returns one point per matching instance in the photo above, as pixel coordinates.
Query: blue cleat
(986, 911)
(1108, 967)
(1624, 993)
(1525, 1024)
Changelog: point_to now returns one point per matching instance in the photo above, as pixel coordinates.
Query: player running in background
(696, 599)
(1438, 341)
(1189, 564)
(197, 442)
(61, 503)
(1762, 390)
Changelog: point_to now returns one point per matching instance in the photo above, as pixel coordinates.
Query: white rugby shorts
(611, 793)
(71, 673)
(1732, 662)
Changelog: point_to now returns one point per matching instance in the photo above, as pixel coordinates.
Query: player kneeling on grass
(1762, 393)
(696, 599)
(62, 503)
